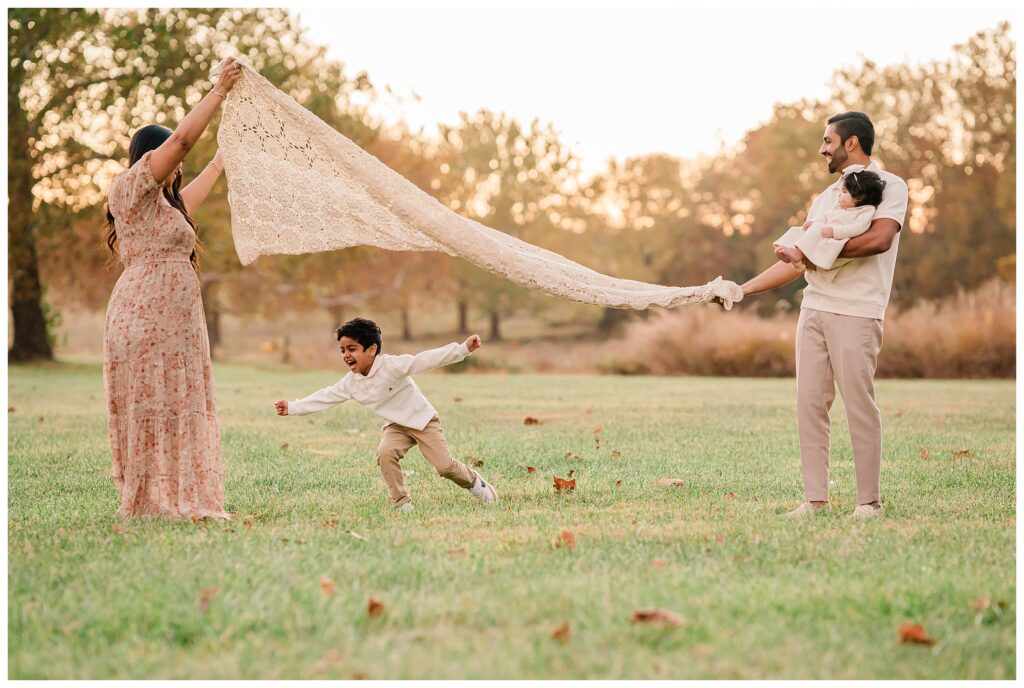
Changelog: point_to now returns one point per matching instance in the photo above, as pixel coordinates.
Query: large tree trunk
(463, 317)
(211, 309)
(495, 326)
(30, 340)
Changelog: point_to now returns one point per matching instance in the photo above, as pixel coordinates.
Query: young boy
(381, 383)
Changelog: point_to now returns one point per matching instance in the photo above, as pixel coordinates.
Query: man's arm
(876, 240)
(775, 276)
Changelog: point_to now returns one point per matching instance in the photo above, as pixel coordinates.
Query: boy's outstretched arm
(321, 400)
(409, 364)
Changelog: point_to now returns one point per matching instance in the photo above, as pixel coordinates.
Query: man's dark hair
(865, 187)
(855, 124)
(363, 331)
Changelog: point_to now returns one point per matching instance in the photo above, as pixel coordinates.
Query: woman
(156, 354)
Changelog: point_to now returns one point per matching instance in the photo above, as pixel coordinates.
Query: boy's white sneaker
(405, 508)
(482, 491)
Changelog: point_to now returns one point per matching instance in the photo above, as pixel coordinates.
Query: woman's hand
(229, 71)
(282, 407)
(473, 343)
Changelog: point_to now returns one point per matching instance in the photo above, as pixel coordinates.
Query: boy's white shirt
(387, 388)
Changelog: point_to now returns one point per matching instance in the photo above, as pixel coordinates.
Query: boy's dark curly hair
(865, 187)
(363, 331)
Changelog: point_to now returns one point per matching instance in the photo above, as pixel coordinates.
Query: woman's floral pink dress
(156, 362)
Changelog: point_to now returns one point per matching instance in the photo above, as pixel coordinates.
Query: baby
(816, 245)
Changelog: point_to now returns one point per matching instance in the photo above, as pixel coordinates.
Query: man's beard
(838, 158)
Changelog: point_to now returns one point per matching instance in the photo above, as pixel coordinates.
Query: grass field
(476, 592)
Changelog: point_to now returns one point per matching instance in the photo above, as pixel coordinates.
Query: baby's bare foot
(790, 254)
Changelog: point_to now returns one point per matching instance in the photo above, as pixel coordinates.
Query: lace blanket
(295, 185)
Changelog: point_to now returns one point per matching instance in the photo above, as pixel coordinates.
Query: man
(839, 334)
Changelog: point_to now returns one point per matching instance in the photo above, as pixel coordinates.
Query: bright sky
(624, 82)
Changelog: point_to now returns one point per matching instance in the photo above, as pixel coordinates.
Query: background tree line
(81, 81)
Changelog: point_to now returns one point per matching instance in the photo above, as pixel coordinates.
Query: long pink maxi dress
(161, 414)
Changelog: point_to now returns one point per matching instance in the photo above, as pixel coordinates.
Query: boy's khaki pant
(399, 439)
(838, 349)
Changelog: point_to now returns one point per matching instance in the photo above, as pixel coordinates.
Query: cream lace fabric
(295, 185)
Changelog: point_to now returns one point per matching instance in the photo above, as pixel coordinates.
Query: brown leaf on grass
(659, 564)
(618, 483)
(360, 676)
(284, 446)
(914, 633)
(925, 454)
(562, 634)
(206, 596)
(566, 540)
(961, 453)
(396, 516)
(374, 607)
(597, 429)
(475, 461)
(670, 482)
(356, 535)
(330, 522)
(456, 399)
(984, 603)
(330, 659)
(616, 454)
(571, 472)
(531, 469)
(563, 485)
(10, 409)
(327, 586)
(530, 420)
(118, 528)
(457, 551)
(662, 617)
(40, 419)
(731, 496)
(248, 520)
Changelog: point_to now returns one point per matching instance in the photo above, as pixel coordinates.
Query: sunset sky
(625, 82)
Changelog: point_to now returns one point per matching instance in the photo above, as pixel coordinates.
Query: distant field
(476, 592)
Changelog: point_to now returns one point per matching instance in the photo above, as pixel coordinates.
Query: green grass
(760, 596)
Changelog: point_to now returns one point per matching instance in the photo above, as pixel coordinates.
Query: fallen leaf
(670, 482)
(731, 496)
(618, 483)
(571, 472)
(566, 539)
(206, 596)
(457, 551)
(659, 564)
(70, 627)
(456, 399)
(925, 454)
(616, 454)
(359, 676)
(656, 616)
(597, 429)
(531, 469)
(330, 659)
(40, 419)
(356, 535)
(284, 446)
(530, 420)
(561, 484)
(984, 603)
(330, 522)
(562, 634)
(475, 461)
(374, 607)
(248, 520)
(118, 528)
(719, 539)
(396, 516)
(327, 586)
(960, 453)
(10, 409)
(914, 633)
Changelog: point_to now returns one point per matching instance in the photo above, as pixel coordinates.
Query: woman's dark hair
(865, 187)
(363, 331)
(150, 137)
(855, 124)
